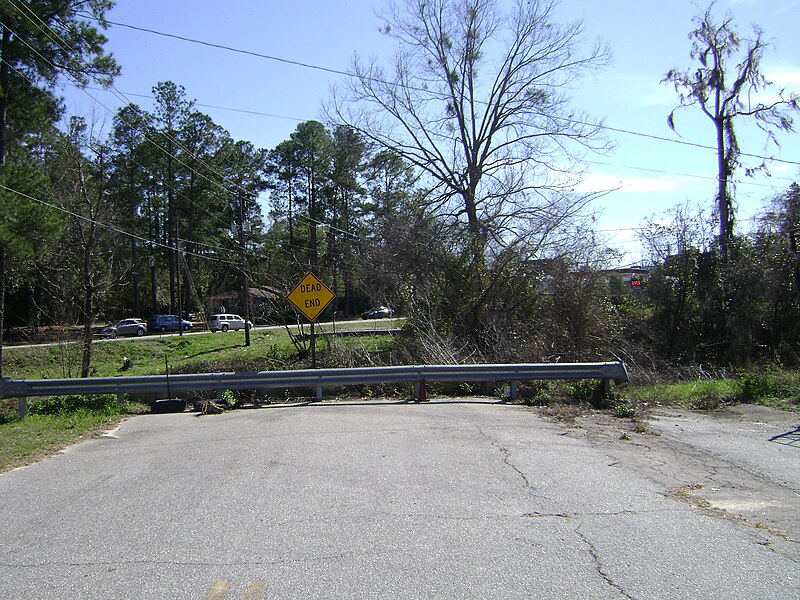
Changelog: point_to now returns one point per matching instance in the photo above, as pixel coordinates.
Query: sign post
(311, 296)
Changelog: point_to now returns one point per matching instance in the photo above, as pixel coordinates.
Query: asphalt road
(381, 500)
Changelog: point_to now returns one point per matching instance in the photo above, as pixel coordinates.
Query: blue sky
(263, 100)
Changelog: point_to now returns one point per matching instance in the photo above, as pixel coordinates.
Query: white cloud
(787, 78)
(664, 96)
(597, 182)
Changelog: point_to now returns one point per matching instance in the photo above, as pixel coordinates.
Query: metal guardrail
(168, 385)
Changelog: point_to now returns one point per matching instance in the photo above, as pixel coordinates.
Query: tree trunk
(4, 83)
(135, 277)
(723, 198)
(172, 240)
(5, 74)
(88, 310)
(312, 214)
(2, 300)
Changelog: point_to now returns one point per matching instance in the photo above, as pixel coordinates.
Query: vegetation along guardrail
(168, 385)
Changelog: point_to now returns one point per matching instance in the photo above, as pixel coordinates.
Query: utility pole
(243, 266)
(178, 286)
(176, 253)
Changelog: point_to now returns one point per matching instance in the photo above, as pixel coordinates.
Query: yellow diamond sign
(311, 296)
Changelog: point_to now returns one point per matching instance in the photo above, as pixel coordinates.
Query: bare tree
(729, 87)
(476, 99)
(80, 186)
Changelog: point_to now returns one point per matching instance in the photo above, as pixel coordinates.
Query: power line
(54, 36)
(687, 175)
(48, 31)
(685, 143)
(287, 61)
(215, 106)
(405, 86)
(339, 72)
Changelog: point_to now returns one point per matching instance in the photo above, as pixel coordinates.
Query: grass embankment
(773, 386)
(270, 349)
(57, 422)
(54, 423)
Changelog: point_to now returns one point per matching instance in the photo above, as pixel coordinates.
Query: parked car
(164, 323)
(109, 331)
(135, 327)
(381, 312)
(225, 321)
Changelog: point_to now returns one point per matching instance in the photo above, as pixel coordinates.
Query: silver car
(135, 327)
(225, 321)
(130, 327)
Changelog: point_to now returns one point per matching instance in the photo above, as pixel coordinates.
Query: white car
(224, 322)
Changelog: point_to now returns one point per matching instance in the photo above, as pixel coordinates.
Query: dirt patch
(741, 464)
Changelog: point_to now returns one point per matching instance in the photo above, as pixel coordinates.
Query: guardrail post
(420, 393)
(121, 398)
(22, 407)
(318, 394)
(514, 394)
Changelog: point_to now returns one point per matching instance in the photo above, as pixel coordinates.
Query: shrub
(706, 400)
(625, 410)
(63, 405)
(773, 383)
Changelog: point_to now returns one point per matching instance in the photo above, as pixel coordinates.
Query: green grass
(270, 349)
(773, 386)
(56, 422)
(686, 394)
(53, 424)
(148, 356)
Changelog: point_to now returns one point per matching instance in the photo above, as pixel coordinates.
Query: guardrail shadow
(790, 438)
(390, 403)
(381, 403)
(331, 404)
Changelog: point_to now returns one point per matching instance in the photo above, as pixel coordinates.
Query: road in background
(324, 328)
(368, 500)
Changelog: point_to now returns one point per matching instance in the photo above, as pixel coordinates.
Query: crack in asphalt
(507, 459)
(689, 472)
(617, 513)
(598, 564)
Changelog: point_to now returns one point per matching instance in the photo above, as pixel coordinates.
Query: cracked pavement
(448, 499)
(740, 464)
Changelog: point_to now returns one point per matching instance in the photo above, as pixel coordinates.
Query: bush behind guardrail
(62, 405)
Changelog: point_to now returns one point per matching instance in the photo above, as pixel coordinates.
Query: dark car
(381, 312)
(164, 323)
